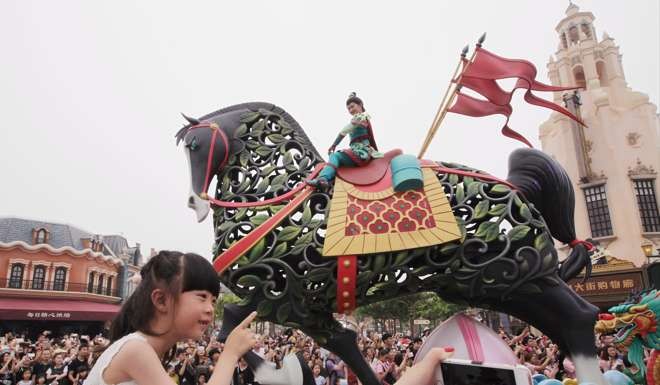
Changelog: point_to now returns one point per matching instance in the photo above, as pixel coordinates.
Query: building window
(60, 278)
(90, 283)
(99, 288)
(108, 286)
(648, 205)
(38, 277)
(598, 211)
(16, 276)
(42, 236)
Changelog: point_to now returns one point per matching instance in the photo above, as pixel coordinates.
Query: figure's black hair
(353, 98)
(171, 271)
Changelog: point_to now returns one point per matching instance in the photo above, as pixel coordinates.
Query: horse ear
(190, 120)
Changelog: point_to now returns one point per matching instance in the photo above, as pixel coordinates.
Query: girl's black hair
(171, 271)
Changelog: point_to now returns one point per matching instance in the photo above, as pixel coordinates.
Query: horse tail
(545, 183)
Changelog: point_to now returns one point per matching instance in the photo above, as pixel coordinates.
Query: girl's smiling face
(194, 313)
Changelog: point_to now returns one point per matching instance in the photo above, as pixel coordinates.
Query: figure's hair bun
(352, 98)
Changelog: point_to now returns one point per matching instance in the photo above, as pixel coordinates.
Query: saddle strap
(243, 245)
(346, 277)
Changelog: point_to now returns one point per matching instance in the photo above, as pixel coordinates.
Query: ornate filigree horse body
(503, 256)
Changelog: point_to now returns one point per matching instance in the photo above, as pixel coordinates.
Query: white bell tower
(613, 162)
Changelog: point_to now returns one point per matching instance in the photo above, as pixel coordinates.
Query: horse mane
(253, 106)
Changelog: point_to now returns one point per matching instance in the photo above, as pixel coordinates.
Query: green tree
(407, 309)
(224, 298)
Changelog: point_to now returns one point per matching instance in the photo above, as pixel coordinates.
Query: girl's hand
(241, 339)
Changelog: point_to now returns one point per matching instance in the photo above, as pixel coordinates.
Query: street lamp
(647, 248)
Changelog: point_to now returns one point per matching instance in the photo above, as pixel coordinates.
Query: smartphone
(464, 372)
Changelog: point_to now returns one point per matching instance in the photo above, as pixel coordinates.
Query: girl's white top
(95, 375)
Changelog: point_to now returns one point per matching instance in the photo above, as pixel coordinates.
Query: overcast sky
(90, 91)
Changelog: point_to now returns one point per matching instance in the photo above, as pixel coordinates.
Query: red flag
(467, 105)
(481, 73)
(480, 76)
(487, 65)
(487, 88)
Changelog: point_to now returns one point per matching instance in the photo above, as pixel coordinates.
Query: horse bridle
(215, 129)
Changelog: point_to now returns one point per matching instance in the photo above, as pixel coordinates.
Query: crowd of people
(67, 359)
(541, 356)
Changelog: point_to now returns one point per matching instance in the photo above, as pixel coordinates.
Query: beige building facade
(614, 160)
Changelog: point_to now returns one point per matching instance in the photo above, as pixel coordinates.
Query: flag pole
(450, 95)
(451, 85)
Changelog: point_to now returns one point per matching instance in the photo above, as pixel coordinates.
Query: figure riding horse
(502, 256)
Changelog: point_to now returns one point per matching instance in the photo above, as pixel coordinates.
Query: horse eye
(193, 145)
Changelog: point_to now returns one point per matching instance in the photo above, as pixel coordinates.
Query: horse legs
(343, 343)
(563, 315)
(294, 370)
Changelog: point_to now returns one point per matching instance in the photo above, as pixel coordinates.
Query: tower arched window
(573, 34)
(90, 282)
(38, 277)
(578, 74)
(60, 278)
(16, 276)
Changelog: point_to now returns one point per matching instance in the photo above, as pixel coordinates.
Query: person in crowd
(7, 362)
(318, 378)
(80, 361)
(185, 368)
(26, 378)
(243, 375)
(57, 371)
(43, 360)
(388, 341)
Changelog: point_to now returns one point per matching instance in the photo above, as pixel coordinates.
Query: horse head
(257, 150)
(208, 146)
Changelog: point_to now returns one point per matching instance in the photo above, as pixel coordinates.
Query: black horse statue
(504, 258)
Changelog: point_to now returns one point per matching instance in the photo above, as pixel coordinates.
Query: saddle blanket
(364, 221)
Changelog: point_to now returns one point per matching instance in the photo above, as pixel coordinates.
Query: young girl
(26, 379)
(174, 301)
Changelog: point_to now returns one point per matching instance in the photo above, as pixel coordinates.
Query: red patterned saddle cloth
(374, 218)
